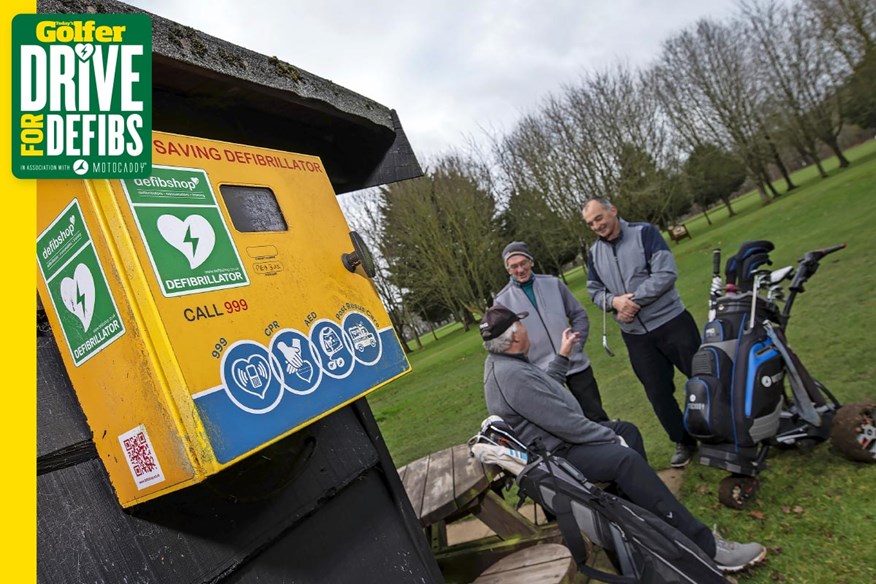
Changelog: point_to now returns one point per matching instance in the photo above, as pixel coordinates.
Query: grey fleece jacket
(557, 310)
(536, 403)
(637, 261)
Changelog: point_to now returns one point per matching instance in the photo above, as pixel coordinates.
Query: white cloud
(448, 67)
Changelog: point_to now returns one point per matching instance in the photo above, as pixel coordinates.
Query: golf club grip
(716, 261)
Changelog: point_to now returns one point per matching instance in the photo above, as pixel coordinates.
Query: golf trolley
(736, 403)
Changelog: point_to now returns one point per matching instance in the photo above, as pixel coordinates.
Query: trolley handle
(809, 264)
(815, 256)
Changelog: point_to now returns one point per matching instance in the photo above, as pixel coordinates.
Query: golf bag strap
(811, 389)
(575, 542)
(802, 386)
(562, 504)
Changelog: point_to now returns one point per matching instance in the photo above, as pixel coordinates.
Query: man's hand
(625, 307)
(570, 338)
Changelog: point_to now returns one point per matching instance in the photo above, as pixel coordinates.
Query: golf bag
(736, 404)
(642, 547)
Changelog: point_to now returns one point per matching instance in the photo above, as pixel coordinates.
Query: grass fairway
(816, 511)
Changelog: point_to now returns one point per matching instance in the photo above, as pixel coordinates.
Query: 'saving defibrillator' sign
(82, 95)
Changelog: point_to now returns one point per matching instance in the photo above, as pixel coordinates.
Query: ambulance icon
(362, 337)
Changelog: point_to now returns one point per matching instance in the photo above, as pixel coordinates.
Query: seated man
(536, 405)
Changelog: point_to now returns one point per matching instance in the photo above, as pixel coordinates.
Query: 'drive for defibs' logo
(82, 95)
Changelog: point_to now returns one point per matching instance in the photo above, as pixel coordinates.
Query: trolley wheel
(737, 492)
(854, 431)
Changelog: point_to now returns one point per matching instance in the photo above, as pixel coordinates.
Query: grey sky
(449, 67)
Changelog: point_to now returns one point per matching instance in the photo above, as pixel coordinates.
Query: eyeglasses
(520, 264)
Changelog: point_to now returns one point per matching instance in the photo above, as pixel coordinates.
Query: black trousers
(628, 468)
(583, 386)
(654, 357)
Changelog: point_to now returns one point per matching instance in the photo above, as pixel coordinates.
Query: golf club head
(606, 347)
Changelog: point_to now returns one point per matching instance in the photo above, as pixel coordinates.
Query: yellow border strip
(18, 343)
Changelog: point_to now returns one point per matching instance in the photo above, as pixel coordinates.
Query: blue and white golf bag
(735, 401)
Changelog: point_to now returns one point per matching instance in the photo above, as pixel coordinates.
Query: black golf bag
(641, 546)
(735, 401)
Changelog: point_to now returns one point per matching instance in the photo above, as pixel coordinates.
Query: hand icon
(292, 355)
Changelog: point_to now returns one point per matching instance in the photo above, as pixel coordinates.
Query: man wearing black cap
(537, 406)
(551, 307)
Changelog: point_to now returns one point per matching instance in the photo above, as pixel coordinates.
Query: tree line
(725, 105)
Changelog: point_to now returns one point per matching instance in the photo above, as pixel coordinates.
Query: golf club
(604, 330)
(715, 289)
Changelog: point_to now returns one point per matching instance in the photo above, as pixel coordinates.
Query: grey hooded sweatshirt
(536, 403)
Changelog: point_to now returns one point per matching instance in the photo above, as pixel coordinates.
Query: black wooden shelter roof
(204, 86)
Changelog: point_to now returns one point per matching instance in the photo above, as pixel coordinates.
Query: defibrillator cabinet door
(243, 248)
(269, 328)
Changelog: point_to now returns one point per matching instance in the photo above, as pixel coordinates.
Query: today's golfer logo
(82, 95)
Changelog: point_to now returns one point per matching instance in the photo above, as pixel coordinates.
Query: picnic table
(449, 485)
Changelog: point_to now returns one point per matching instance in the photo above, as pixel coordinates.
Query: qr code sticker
(141, 457)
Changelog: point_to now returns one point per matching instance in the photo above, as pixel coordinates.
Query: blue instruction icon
(248, 377)
(298, 361)
(367, 347)
(333, 349)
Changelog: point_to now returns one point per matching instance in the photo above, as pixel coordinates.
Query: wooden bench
(546, 564)
(678, 232)
(451, 485)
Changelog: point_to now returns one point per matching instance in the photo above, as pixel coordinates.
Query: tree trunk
(730, 211)
(784, 170)
(463, 317)
(764, 197)
(398, 326)
(400, 333)
(812, 158)
(432, 329)
(819, 166)
(706, 215)
(468, 319)
(777, 160)
(834, 146)
(416, 336)
(769, 184)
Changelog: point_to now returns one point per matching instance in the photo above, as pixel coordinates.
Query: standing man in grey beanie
(552, 308)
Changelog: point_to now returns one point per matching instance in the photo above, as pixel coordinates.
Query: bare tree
(802, 74)
(623, 143)
(542, 205)
(705, 82)
(441, 237)
(849, 25)
(362, 212)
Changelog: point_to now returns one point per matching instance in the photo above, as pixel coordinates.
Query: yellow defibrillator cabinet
(208, 310)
